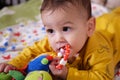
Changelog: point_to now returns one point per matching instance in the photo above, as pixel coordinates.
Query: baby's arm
(31, 52)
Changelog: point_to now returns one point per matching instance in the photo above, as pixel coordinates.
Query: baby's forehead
(82, 6)
(69, 9)
(62, 17)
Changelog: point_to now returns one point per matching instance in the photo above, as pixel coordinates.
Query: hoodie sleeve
(31, 52)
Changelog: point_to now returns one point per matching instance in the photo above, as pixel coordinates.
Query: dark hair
(54, 4)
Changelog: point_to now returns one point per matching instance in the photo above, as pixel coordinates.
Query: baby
(69, 22)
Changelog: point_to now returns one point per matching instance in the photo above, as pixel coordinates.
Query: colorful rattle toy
(63, 53)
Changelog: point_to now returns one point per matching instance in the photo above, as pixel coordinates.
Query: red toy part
(59, 66)
(50, 58)
(63, 61)
(118, 73)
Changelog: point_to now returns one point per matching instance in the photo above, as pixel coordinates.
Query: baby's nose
(59, 38)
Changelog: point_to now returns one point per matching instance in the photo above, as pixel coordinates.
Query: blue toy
(38, 69)
(40, 63)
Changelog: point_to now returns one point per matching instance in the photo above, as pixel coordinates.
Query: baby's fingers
(9, 67)
(2, 67)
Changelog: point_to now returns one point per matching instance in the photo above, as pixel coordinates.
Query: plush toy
(38, 69)
(12, 75)
(40, 63)
(38, 75)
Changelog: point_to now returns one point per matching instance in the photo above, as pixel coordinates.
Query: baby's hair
(84, 5)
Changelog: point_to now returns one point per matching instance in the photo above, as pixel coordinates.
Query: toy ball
(40, 63)
(38, 75)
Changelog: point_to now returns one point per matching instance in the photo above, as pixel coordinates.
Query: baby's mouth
(62, 50)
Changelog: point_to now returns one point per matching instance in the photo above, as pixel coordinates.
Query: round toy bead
(44, 61)
(67, 51)
(50, 58)
(59, 66)
(67, 46)
(67, 54)
(63, 62)
(65, 57)
(60, 54)
(62, 50)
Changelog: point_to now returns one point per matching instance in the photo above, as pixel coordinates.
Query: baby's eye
(66, 28)
(50, 30)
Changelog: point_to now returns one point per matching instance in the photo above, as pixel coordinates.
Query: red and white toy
(63, 53)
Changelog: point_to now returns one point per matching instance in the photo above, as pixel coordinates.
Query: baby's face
(66, 26)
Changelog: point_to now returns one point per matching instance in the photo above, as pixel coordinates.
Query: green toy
(12, 75)
(4, 76)
(17, 75)
(38, 75)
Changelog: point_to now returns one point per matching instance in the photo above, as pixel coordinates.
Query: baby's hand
(61, 74)
(4, 67)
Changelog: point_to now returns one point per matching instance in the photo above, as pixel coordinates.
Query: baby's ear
(91, 26)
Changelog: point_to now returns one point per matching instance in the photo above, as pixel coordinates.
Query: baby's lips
(59, 46)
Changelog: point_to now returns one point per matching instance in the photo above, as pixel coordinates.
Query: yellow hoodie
(96, 60)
